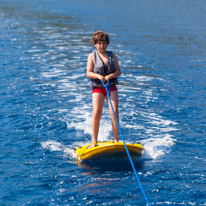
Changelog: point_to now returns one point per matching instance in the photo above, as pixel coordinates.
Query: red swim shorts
(103, 91)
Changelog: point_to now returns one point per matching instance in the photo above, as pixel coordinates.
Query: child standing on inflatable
(103, 65)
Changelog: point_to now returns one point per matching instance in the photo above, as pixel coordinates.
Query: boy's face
(101, 46)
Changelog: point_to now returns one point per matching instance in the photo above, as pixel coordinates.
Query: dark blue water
(46, 108)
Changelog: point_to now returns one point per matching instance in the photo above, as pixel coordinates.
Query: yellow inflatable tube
(108, 150)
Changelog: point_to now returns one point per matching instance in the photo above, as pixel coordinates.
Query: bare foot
(116, 141)
(92, 145)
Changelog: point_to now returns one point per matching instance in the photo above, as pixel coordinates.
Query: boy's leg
(114, 100)
(98, 101)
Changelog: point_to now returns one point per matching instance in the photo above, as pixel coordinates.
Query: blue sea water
(46, 105)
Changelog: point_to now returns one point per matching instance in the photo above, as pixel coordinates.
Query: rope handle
(105, 85)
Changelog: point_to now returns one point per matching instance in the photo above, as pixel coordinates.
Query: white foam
(54, 72)
(84, 122)
(155, 128)
(156, 147)
(52, 145)
(57, 146)
(143, 78)
(157, 119)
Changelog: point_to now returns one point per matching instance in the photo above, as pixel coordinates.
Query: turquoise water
(46, 109)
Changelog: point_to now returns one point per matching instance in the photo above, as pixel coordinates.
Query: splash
(59, 147)
(84, 122)
(156, 147)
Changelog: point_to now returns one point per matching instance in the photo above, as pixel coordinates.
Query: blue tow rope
(108, 94)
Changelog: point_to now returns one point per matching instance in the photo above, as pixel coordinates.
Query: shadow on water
(113, 165)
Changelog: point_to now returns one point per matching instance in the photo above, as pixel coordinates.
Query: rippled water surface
(46, 105)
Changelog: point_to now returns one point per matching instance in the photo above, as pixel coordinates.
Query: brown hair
(100, 36)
